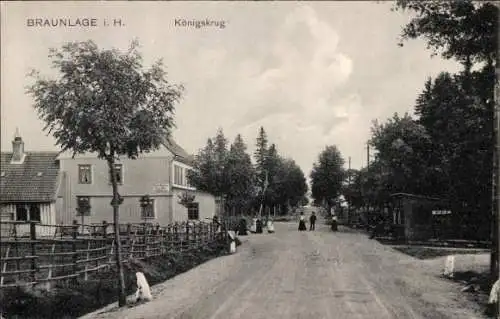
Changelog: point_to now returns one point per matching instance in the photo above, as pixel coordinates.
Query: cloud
(291, 83)
(304, 76)
(313, 74)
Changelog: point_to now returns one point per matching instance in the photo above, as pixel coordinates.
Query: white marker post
(495, 290)
(232, 242)
(270, 227)
(143, 291)
(449, 266)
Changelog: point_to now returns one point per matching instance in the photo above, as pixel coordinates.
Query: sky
(311, 73)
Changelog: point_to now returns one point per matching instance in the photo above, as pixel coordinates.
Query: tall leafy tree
(375, 186)
(221, 153)
(296, 185)
(289, 184)
(402, 148)
(461, 131)
(240, 175)
(106, 102)
(352, 190)
(273, 162)
(260, 155)
(204, 176)
(466, 31)
(327, 176)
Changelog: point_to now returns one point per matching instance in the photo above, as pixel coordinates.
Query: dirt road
(308, 275)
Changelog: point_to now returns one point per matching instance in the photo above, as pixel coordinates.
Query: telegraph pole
(349, 187)
(368, 155)
(368, 170)
(495, 255)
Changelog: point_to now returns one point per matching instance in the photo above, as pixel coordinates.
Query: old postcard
(249, 159)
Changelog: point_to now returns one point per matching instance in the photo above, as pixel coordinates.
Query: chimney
(17, 148)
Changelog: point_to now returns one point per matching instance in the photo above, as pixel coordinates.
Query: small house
(29, 183)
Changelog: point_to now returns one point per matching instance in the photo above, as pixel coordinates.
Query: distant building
(29, 184)
(415, 215)
(161, 174)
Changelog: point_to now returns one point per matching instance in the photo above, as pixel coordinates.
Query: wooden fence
(77, 250)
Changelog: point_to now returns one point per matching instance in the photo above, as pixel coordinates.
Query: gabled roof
(34, 180)
(180, 154)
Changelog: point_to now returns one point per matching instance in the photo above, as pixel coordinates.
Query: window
(193, 211)
(149, 211)
(21, 212)
(83, 205)
(188, 184)
(28, 212)
(119, 174)
(84, 174)
(178, 175)
(34, 212)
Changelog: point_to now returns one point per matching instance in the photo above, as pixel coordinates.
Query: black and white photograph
(249, 159)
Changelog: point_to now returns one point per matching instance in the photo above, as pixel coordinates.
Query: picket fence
(77, 250)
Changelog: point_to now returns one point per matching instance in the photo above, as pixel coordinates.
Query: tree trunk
(115, 202)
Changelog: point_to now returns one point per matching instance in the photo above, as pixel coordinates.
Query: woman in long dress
(302, 222)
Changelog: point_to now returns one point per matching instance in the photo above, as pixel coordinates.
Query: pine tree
(240, 173)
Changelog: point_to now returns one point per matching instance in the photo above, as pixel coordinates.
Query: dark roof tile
(23, 182)
(180, 154)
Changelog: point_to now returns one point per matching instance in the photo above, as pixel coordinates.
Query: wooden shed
(417, 215)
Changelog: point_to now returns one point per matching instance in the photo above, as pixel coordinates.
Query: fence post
(170, 237)
(33, 249)
(129, 239)
(104, 229)
(206, 238)
(86, 275)
(74, 247)
(16, 248)
(146, 240)
(158, 241)
(176, 236)
(188, 239)
(195, 235)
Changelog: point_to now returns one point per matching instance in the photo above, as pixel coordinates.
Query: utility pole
(349, 188)
(495, 255)
(368, 170)
(368, 155)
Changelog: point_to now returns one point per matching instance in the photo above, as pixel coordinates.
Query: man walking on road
(312, 221)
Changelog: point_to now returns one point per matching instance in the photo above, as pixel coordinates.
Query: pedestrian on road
(312, 221)
(302, 222)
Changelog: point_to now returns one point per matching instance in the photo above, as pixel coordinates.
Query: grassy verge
(71, 300)
(475, 278)
(422, 252)
(479, 284)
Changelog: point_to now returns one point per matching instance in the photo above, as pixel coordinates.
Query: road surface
(309, 275)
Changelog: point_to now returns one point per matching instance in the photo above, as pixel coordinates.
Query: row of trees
(227, 171)
(446, 149)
